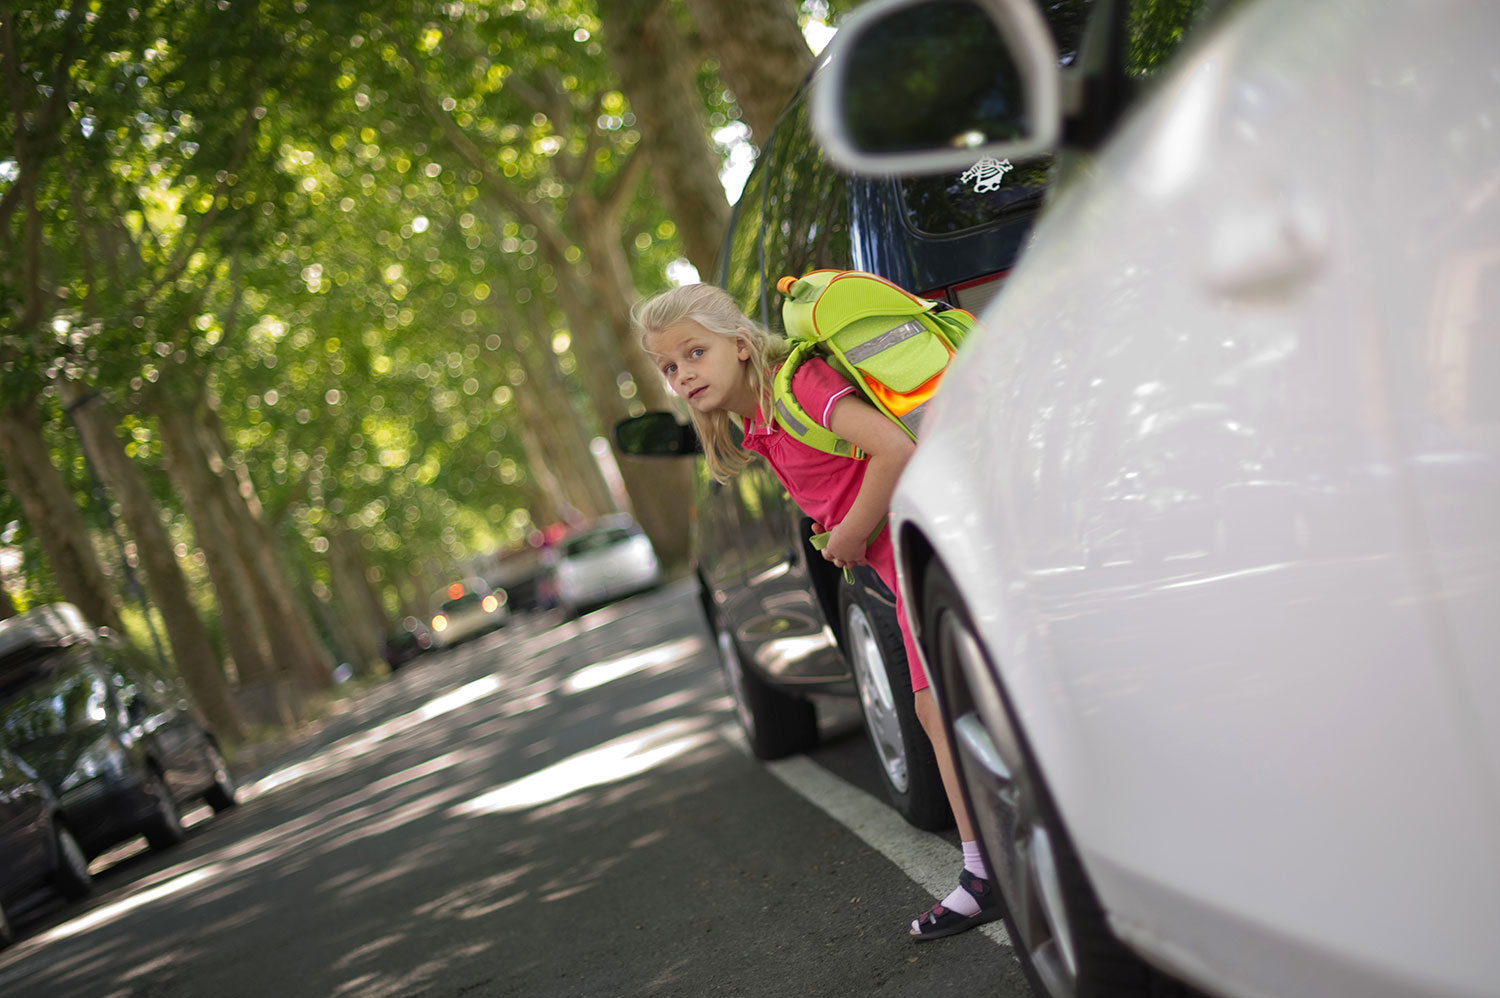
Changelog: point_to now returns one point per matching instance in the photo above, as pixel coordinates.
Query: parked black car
(37, 849)
(406, 642)
(122, 748)
(786, 623)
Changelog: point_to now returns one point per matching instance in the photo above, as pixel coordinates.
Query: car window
(53, 704)
(990, 192)
(740, 271)
(595, 541)
(945, 203)
(464, 602)
(807, 207)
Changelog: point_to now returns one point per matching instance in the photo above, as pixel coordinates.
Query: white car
(1203, 534)
(466, 609)
(607, 561)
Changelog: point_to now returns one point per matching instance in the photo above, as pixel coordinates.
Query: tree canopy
(349, 281)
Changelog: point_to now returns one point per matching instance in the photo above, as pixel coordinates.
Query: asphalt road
(552, 810)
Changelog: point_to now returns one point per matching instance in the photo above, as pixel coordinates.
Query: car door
(790, 218)
(171, 734)
(23, 827)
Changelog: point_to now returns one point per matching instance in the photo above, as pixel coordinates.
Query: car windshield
(51, 707)
(596, 540)
(467, 601)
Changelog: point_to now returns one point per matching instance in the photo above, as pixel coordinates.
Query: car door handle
(1265, 247)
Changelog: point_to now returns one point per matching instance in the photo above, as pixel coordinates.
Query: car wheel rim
(735, 670)
(222, 778)
(72, 855)
(992, 764)
(165, 806)
(875, 697)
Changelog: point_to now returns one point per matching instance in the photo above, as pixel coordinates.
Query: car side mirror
(935, 86)
(656, 434)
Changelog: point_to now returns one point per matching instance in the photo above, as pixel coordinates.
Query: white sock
(961, 900)
(974, 861)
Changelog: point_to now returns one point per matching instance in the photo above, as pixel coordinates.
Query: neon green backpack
(887, 342)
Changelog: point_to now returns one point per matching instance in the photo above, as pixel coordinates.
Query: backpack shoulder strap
(794, 419)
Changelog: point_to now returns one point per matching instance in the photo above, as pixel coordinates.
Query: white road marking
(927, 858)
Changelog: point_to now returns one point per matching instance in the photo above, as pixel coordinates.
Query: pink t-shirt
(823, 485)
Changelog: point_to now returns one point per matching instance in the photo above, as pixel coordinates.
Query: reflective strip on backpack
(884, 341)
(913, 420)
(794, 424)
(835, 444)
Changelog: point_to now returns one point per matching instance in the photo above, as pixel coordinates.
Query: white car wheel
(1054, 917)
(877, 657)
(164, 827)
(776, 724)
(71, 878)
(221, 793)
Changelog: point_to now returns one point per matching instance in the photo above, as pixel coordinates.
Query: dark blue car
(122, 748)
(38, 851)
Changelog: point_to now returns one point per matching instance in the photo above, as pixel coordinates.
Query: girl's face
(705, 368)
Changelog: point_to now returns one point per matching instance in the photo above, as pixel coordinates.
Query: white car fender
(1189, 482)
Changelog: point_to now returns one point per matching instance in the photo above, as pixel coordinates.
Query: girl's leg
(932, 723)
(973, 902)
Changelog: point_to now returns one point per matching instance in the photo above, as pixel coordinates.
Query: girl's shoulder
(816, 373)
(816, 386)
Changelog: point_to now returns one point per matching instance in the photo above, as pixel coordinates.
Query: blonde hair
(712, 308)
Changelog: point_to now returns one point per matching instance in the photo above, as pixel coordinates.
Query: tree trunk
(194, 652)
(53, 516)
(761, 53)
(246, 631)
(338, 634)
(309, 659)
(599, 319)
(366, 620)
(660, 77)
(564, 438)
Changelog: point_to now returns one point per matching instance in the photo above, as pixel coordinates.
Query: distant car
(407, 642)
(1203, 531)
(37, 850)
(122, 748)
(607, 561)
(466, 609)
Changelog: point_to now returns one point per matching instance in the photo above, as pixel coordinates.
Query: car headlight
(440, 623)
(106, 757)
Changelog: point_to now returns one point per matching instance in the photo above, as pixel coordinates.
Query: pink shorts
(882, 558)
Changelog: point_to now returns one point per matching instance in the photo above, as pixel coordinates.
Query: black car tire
(221, 793)
(776, 724)
(872, 639)
(1056, 924)
(164, 828)
(71, 878)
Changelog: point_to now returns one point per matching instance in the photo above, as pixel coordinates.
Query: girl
(722, 363)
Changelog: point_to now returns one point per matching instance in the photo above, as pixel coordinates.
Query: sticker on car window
(986, 174)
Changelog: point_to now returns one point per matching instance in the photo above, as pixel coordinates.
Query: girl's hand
(846, 548)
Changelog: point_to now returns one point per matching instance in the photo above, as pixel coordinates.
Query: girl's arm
(889, 448)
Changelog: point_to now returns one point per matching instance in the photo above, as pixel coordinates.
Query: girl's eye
(669, 369)
(697, 352)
